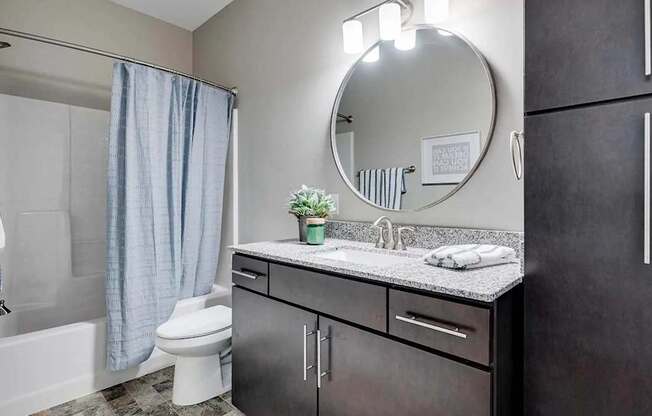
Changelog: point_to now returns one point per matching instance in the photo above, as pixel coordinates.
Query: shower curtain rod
(82, 48)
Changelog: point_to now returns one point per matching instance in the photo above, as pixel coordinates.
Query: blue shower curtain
(168, 143)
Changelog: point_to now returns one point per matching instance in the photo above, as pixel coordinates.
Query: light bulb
(406, 41)
(373, 55)
(390, 21)
(353, 41)
(435, 10)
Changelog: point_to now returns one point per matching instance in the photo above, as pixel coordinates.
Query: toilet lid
(197, 324)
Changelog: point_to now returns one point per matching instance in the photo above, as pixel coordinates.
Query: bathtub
(51, 366)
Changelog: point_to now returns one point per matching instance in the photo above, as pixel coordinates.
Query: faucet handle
(380, 243)
(399, 238)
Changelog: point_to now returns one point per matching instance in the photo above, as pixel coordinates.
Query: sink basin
(364, 257)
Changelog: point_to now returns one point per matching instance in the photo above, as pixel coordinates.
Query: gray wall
(286, 58)
(50, 73)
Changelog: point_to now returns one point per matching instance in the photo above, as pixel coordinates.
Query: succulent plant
(310, 202)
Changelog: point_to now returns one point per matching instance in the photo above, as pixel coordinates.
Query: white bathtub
(45, 368)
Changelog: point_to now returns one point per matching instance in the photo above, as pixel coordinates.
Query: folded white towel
(470, 256)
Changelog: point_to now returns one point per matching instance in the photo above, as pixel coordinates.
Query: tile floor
(150, 395)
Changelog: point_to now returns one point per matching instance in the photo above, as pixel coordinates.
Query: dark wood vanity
(308, 342)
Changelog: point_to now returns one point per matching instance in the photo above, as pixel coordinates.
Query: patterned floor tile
(150, 395)
(114, 392)
(164, 389)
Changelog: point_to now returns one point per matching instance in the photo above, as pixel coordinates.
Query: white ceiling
(188, 14)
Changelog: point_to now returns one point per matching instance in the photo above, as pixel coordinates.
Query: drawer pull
(248, 275)
(646, 190)
(648, 37)
(414, 321)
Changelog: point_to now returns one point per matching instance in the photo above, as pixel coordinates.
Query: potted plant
(307, 203)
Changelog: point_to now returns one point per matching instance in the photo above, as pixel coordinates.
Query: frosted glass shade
(390, 21)
(373, 55)
(435, 10)
(353, 41)
(406, 41)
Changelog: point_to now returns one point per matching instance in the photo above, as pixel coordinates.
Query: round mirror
(413, 119)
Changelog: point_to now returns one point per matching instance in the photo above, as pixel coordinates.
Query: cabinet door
(579, 51)
(268, 353)
(369, 375)
(588, 294)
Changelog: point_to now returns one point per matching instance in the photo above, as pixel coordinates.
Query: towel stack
(470, 256)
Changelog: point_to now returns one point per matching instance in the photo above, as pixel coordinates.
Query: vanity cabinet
(579, 51)
(331, 345)
(588, 290)
(268, 357)
(370, 375)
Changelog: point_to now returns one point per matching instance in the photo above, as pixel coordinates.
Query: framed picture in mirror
(448, 159)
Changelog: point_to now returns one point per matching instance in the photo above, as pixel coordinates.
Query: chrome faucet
(381, 243)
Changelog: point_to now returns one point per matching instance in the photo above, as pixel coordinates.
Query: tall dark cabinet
(588, 289)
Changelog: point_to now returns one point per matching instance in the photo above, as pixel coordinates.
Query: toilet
(199, 340)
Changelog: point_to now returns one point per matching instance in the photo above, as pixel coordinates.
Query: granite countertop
(484, 284)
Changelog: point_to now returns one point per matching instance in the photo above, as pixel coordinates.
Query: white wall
(35, 70)
(52, 202)
(286, 58)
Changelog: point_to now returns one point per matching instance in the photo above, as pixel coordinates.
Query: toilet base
(197, 379)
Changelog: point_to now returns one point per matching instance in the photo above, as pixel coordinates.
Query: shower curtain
(168, 143)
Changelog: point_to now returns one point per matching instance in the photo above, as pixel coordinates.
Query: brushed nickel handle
(413, 320)
(320, 373)
(517, 153)
(400, 245)
(646, 192)
(248, 275)
(306, 367)
(648, 39)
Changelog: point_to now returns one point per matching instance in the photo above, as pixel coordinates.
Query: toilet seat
(197, 324)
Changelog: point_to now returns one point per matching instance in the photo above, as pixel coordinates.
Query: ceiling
(188, 14)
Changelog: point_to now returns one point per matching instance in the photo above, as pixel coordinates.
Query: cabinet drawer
(451, 327)
(250, 273)
(357, 302)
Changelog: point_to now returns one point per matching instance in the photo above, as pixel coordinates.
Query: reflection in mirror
(410, 128)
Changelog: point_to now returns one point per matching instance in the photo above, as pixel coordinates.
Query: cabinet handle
(320, 374)
(248, 275)
(648, 39)
(516, 153)
(646, 192)
(306, 367)
(413, 320)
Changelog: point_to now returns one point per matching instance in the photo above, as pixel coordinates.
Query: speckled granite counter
(486, 284)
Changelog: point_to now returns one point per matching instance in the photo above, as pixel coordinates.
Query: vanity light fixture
(406, 41)
(390, 22)
(353, 40)
(372, 56)
(435, 10)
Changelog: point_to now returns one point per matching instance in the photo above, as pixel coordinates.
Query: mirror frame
(483, 152)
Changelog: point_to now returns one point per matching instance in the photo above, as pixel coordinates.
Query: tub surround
(485, 285)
